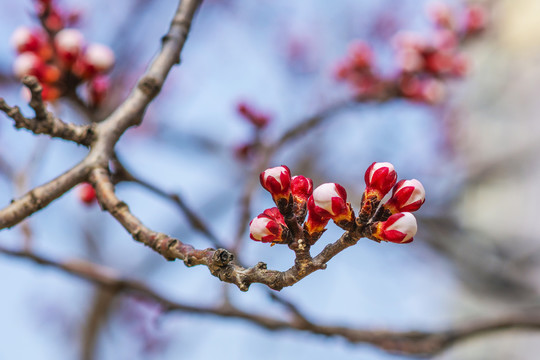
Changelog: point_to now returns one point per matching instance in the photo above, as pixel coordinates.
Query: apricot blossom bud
(268, 227)
(399, 228)
(27, 63)
(25, 39)
(69, 44)
(407, 195)
(380, 177)
(97, 89)
(277, 181)
(97, 58)
(330, 201)
(301, 188)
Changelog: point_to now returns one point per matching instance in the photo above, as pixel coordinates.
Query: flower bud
(69, 44)
(25, 39)
(268, 227)
(380, 177)
(28, 63)
(97, 89)
(301, 188)
(87, 194)
(277, 181)
(399, 228)
(330, 201)
(407, 195)
(97, 58)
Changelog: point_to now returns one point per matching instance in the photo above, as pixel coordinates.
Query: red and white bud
(301, 188)
(69, 44)
(277, 181)
(268, 227)
(330, 201)
(96, 58)
(407, 195)
(380, 177)
(25, 39)
(28, 63)
(399, 228)
(99, 56)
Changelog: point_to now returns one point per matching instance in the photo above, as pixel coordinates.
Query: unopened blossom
(277, 181)
(26, 39)
(399, 228)
(69, 44)
(268, 227)
(301, 188)
(380, 177)
(407, 195)
(330, 201)
(96, 58)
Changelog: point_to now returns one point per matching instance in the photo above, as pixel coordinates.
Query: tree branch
(400, 342)
(45, 122)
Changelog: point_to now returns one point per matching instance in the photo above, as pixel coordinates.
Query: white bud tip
(100, 56)
(323, 194)
(20, 36)
(70, 40)
(24, 64)
(275, 172)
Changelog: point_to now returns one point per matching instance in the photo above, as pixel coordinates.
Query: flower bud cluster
(391, 221)
(60, 58)
(423, 62)
(295, 198)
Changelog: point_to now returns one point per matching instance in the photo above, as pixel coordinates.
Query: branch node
(222, 257)
(149, 86)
